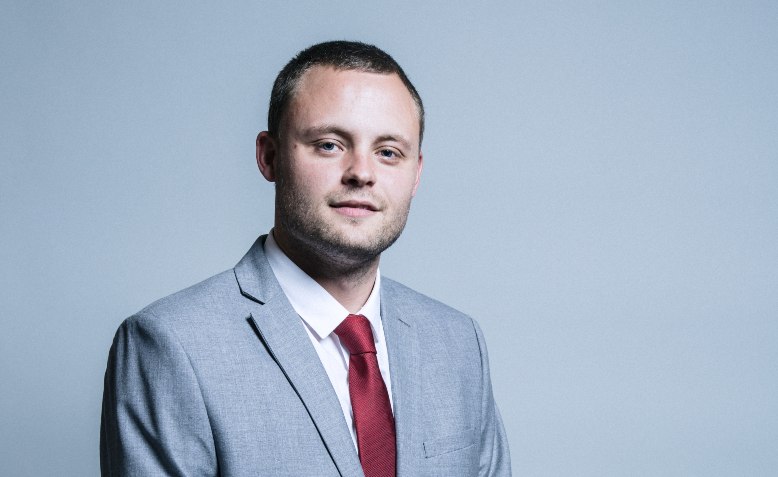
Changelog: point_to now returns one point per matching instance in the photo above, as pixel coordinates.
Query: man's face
(346, 165)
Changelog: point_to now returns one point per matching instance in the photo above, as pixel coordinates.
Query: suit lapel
(404, 365)
(283, 333)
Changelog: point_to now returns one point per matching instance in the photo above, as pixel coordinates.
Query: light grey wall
(600, 191)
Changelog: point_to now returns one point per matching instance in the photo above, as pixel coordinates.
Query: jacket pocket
(450, 443)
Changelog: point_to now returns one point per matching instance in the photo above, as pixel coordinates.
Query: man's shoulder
(205, 299)
(434, 312)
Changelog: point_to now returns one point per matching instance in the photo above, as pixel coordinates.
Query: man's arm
(495, 455)
(154, 420)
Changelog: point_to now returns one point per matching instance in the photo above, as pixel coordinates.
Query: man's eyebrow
(394, 138)
(324, 129)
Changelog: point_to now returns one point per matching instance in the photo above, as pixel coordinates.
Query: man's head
(342, 56)
(346, 161)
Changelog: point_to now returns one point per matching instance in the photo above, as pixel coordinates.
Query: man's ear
(267, 152)
(419, 166)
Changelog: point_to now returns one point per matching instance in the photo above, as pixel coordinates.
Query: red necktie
(372, 411)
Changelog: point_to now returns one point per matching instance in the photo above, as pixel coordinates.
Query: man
(303, 360)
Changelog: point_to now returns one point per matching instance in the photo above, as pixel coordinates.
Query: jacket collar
(399, 316)
(282, 332)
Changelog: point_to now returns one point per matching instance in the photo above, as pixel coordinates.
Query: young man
(303, 360)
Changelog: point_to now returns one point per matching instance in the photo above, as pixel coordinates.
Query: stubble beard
(320, 242)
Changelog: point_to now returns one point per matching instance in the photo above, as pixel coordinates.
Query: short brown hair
(341, 55)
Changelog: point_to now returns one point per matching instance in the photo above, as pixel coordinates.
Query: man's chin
(357, 249)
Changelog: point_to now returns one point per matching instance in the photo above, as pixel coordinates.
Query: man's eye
(387, 153)
(327, 146)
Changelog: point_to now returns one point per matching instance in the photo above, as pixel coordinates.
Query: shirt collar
(320, 310)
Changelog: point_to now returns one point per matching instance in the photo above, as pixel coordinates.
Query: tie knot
(355, 334)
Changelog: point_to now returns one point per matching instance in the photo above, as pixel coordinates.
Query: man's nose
(359, 170)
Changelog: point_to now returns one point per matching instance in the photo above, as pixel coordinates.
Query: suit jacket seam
(177, 339)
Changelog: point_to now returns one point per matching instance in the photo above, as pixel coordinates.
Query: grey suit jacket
(222, 379)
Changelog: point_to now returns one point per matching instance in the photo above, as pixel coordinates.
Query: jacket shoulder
(429, 310)
(210, 297)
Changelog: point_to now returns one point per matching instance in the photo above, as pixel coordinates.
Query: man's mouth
(355, 208)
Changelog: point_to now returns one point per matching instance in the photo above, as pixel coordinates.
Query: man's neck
(351, 292)
(350, 285)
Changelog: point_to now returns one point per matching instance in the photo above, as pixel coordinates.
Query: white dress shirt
(322, 313)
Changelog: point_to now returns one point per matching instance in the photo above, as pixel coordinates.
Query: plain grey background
(600, 192)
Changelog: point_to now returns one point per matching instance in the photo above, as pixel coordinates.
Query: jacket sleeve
(495, 456)
(154, 419)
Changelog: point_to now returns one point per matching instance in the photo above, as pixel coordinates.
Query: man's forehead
(324, 93)
(320, 76)
(327, 82)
